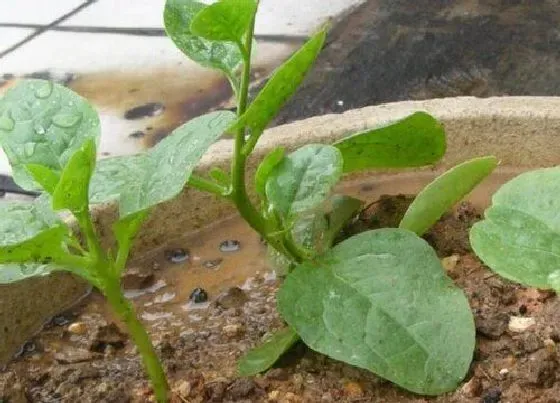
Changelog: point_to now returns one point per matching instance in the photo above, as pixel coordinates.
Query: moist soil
(84, 356)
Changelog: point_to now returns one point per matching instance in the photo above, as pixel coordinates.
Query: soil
(84, 356)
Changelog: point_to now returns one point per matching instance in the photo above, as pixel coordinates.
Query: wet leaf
(381, 301)
(416, 140)
(264, 169)
(126, 229)
(444, 192)
(303, 180)
(178, 16)
(44, 176)
(281, 86)
(48, 124)
(11, 273)
(264, 356)
(71, 191)
(144, 180)
(226, 20)
(519, 237)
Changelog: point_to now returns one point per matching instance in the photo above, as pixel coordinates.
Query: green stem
(127, 314)
(203, 184)
(88, 230)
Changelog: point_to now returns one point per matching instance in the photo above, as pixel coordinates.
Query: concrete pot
(524, 132)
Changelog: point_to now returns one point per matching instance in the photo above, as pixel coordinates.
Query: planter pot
(524, 132)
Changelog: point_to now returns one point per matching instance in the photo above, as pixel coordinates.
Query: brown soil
(82, 356)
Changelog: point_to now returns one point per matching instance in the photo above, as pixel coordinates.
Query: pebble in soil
(198, 295)
(177, 255)
(230, 245)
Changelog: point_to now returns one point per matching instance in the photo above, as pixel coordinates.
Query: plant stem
(203, 184)
(127, 314)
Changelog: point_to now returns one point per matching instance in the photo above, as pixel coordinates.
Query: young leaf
(45, 177)
(446, 190)
(280, 87)
(264, 356)
(343, 209)
(416, 140)
(142, 181)
(220, 176)
(29, 232)
(303, 180)
(519, 237)
(266, 166)
(125, 231)
(226, 20)
(71, 191)
(177, 17)
(43, 123)
(381, 301)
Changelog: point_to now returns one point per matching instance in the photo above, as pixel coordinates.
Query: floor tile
(36, 11)
(11, 36)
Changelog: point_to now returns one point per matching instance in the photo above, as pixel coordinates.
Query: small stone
(233, 330)
(143, 111)
(134, 279)
(492, 326)
(79, 328)
(212, 263)
(73, 356)
(519, 324)
(109, 335)
(473, 388)
(504, 371)
(234, 297)
(183, 389)
(198, 295)
(290, 397)
(230, 245)
(450, 262)
(550, 346)
(492, 395)
(353, 390)
(177, 255)
(274, 395)
(60, 320)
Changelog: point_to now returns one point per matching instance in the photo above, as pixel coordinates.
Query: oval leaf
(381, 301)
(226, 20)
(266, 166)
(45, 124)
(414, 141)
(519, 237)
(142, 181)
(264, 356)
(444, 192)
(281, 86)
(177, 17)
(303, 180)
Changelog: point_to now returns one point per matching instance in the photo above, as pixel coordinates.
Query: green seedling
(379, 300)
(519, 237)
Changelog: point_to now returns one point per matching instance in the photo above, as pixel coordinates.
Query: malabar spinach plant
(519, 237)
(379, 300)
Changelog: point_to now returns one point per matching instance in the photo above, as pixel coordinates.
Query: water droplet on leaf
(66, 120)
(6, 123)
(230, 245)
(44, 90)
(554, 279)
(29, 149)
(39, 129)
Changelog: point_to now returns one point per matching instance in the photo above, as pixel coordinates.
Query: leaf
(381, 301)
(264, 356)
(144, 180)
(303, 180)
(12, 273)
(178, 16)
(226, 20)
(281, 86)
(519, 237)
(43, 123)
(71, 191)
(126, 229)
(343, 209)
(444, 192)
(414, 141)
(29, 232)
(220, 176)
(267, 165)
(45, 177)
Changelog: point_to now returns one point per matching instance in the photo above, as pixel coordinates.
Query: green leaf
(178, 16)
(267, 165)
(29, 232)
(44, 124)
(280, 87)
(72, 190)
(126, 229)
(303, 180)
(226, 20)
(264, 356)
(444, 192)
(414, 141)
(144, 180)
(12, 273)
(220, 176)
(381, 301)
(343, 208)
(519, 237)
(45, 177)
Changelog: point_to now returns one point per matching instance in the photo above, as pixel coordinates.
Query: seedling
(379, 300)
(519, 237)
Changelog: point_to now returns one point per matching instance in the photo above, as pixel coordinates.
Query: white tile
(276, 17)
(11, 36)
(36, 11)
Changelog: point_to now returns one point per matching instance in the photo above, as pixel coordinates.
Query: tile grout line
(43, 28)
